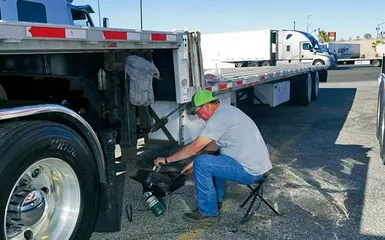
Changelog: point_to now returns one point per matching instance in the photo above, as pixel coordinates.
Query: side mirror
(106, 22)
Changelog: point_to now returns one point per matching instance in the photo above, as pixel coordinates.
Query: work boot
(197, 217)
(219, 207)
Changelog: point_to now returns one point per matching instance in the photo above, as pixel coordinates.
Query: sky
(348, 18)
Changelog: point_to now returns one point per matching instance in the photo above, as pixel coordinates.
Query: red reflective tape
(239, 82)
(158, 37)
(115, 35)
(262, 77)
(48, 32)
(223, 86)
(209, 88)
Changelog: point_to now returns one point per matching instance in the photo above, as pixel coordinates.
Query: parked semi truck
(380, 124)
(351, 54)
(263, 48)
(65, 107)
(343, 50)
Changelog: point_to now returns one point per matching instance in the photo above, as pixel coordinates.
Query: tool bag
(159, 183)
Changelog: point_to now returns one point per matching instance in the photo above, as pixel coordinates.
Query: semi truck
(343, 50)
(263, 48)
(65, 107)
(380, 123)
(351, 54)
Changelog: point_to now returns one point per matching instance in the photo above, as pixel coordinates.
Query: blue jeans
(209, 172)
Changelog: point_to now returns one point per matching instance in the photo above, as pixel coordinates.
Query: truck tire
(318, 62)
(266, 64)
(305, 90)
(315, 85)
(376, 63)
(50, 183)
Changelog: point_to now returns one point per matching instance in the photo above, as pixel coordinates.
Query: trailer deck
(239, 78)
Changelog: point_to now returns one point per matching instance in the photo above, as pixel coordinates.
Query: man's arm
(190, 150)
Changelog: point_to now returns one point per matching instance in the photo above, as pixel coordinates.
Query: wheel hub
(44, 203)
(27, 207)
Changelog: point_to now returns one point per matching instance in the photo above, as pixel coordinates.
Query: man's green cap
(199, 98)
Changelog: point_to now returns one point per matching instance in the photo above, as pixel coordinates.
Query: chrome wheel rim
(44, 202)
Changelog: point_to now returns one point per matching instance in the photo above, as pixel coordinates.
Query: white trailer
(350, 54)
(65, 106)
(263, 48)
(344, 50)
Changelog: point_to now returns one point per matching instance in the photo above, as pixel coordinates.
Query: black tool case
(159, 183)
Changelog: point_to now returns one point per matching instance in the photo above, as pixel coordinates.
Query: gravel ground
(326, 181)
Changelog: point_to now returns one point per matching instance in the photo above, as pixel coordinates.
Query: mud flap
(110, 201)
(323, 75)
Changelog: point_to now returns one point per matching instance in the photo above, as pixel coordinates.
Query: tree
(358, 38)
(368, 36)
(323, 36)
(375, 43)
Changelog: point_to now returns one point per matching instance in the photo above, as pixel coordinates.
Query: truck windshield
(81, 18)
(317, 46)
(313, 41)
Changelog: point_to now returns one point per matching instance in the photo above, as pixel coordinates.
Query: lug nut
(35, 173)
(28, 234)
(46, 190)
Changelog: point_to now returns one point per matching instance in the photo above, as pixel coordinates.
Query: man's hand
(160, 160)
(188, 169)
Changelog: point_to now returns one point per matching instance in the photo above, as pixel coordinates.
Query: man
(243, 156)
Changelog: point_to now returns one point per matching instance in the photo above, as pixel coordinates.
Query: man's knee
(201, 161)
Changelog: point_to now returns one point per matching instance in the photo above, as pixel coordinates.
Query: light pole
(294, 24)
(307, 22)
(141, 15)
(100, 21)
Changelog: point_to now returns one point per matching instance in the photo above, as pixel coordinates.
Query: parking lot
(327, 178)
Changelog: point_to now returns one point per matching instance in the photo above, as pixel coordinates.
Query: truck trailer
(65, 107)
(263, 48)
(350, 54)
(344, 50)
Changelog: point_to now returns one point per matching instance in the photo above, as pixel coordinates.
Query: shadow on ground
(317, 184)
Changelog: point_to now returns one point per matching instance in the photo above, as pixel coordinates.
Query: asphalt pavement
(327, 178)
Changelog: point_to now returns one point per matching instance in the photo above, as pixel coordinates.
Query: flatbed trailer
(65, 107)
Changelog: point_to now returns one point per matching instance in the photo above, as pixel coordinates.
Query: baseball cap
(199, 98)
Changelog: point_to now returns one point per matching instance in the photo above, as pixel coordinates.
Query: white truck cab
(301, 46)
(263, 48)
(61, 12)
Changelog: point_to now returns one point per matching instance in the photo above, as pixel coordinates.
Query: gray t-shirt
(238, 137)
